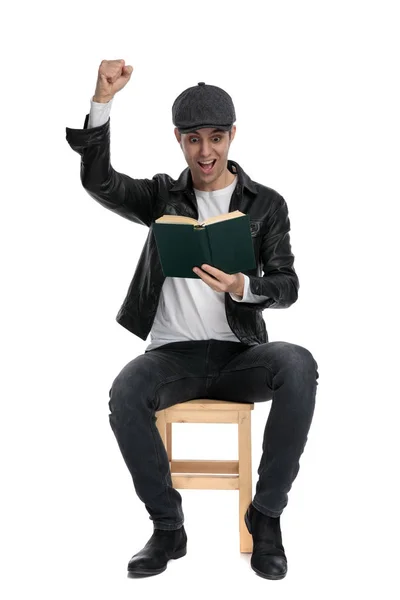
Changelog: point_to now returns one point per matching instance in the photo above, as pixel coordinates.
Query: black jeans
(279, 371)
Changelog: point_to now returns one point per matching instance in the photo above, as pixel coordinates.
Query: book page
(223, 217)
(176, 219)
(189, 221)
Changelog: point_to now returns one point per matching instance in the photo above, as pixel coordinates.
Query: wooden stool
(213, 474)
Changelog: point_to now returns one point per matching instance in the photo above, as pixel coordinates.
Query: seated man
(208, 336)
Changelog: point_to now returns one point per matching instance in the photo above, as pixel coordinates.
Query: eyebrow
(213, 131)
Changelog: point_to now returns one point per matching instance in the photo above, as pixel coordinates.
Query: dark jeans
(279, 371)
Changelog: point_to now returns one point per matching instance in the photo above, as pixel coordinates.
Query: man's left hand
(220, 281)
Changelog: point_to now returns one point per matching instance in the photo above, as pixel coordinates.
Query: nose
(205, 148)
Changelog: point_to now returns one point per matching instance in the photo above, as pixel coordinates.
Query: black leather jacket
(144, 200)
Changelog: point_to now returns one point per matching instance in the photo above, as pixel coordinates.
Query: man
(208, 337)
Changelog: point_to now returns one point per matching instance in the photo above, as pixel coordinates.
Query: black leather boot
(161, 547)
(268, 559)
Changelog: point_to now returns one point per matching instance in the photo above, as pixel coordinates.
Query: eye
(216, 138)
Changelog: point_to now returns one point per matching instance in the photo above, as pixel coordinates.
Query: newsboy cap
(203, 106)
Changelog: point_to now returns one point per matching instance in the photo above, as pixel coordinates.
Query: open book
(223, 241)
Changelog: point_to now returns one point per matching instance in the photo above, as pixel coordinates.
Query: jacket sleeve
(279, 281)
(247, 295)
(134, 199)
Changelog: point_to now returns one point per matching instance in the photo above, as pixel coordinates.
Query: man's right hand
(113, 75)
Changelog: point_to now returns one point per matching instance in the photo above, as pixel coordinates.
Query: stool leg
(165, 430)
(245, 478)
(169, 440)
(162, 425)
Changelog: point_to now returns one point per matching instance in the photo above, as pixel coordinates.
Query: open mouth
(207, 166)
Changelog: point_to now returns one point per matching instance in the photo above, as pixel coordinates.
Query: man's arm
(99, 112)
(248, 296)
(134, 199)
(279, 282)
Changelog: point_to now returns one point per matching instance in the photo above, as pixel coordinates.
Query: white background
(315, 86)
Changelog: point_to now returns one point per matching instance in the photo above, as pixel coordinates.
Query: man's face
(205, 145)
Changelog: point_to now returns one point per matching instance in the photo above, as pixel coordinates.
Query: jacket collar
(184, 182)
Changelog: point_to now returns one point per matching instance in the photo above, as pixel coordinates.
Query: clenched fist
(113, 75)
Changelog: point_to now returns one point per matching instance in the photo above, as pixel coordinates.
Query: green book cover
(226, 245)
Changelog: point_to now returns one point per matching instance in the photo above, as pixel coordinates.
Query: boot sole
(177, 554)
(248, 525)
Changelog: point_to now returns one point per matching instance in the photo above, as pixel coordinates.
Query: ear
(233, 132)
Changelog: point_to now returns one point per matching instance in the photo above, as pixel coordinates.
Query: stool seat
(213, 474)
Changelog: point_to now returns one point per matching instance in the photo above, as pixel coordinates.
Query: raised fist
(113, 75)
